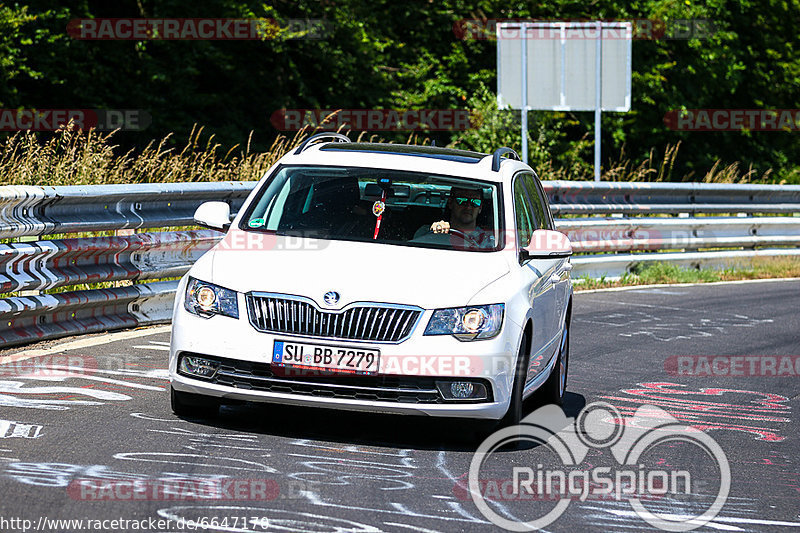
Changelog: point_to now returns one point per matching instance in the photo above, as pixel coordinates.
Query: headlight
(467, 323)
(205, 299)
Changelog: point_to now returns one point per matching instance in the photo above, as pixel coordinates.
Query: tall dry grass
(659, 168)
(75, 157)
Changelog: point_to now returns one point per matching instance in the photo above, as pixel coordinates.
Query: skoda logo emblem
(331, 297)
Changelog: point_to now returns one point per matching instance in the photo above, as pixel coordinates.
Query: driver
(464, 206)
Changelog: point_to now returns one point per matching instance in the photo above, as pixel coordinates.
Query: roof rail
(338, 137)
(497, 158)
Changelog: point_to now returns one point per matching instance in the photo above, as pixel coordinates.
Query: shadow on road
(368, 429)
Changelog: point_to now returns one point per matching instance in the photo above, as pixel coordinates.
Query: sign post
(524, 92)
(598, 106)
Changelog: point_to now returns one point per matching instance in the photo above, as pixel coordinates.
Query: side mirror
(546, 244)
(214, 215)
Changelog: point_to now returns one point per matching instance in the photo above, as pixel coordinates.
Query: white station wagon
(383, 278)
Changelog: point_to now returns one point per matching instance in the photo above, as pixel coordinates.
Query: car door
(561, 276)
(551, 270)
(536, 282)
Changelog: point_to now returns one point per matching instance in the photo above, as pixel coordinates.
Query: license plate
(330, 358)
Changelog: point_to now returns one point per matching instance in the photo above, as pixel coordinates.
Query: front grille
(246, 375)
(260, 377)
(300, 316)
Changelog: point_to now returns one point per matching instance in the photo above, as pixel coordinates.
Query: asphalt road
(86, 421)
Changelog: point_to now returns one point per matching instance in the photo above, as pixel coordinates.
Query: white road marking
(10, 429)
(152, 347)
(415, 528)
(16, 387)
(53, 405)
(714, 523)
(456, 506)
(316, 500)
(145, 416)
(155, 373)
(94, 378)
(173, 458)
(195, 517)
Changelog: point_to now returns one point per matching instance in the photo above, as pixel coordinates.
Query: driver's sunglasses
(476, 202)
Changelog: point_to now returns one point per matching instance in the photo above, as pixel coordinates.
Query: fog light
(197, 366)
(462, 390)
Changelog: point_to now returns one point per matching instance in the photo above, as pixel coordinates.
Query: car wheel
(188, 404)
(553, 390)
(483, 429)
(514, 413)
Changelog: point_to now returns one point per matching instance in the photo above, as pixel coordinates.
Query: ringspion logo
(638, 460)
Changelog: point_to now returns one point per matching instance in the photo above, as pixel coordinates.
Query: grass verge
(666, 273)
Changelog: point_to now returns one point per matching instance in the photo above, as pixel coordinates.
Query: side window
(545, 204)
(537, 203)
(522, 214)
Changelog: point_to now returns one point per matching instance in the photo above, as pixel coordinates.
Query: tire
(553, 390)
(514, 413)
(192, 405)
(483, 429)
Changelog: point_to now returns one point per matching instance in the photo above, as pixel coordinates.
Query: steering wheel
(458, 233)
(461, 234)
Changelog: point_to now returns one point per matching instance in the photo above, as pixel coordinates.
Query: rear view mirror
(213, 215)
(373, 190)
(547, 244)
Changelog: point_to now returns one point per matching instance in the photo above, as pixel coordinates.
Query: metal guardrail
(49, 264)
(658, 234)
(641, 198)
(33, 318)
(35, 211)
(612, 245)
(36, 265)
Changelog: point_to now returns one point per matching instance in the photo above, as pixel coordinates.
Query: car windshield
(379, 206)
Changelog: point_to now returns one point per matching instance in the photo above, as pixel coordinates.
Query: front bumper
(404, 383)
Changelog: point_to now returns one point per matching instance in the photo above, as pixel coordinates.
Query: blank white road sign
(561, 58)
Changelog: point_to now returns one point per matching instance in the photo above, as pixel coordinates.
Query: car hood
(424, 277)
